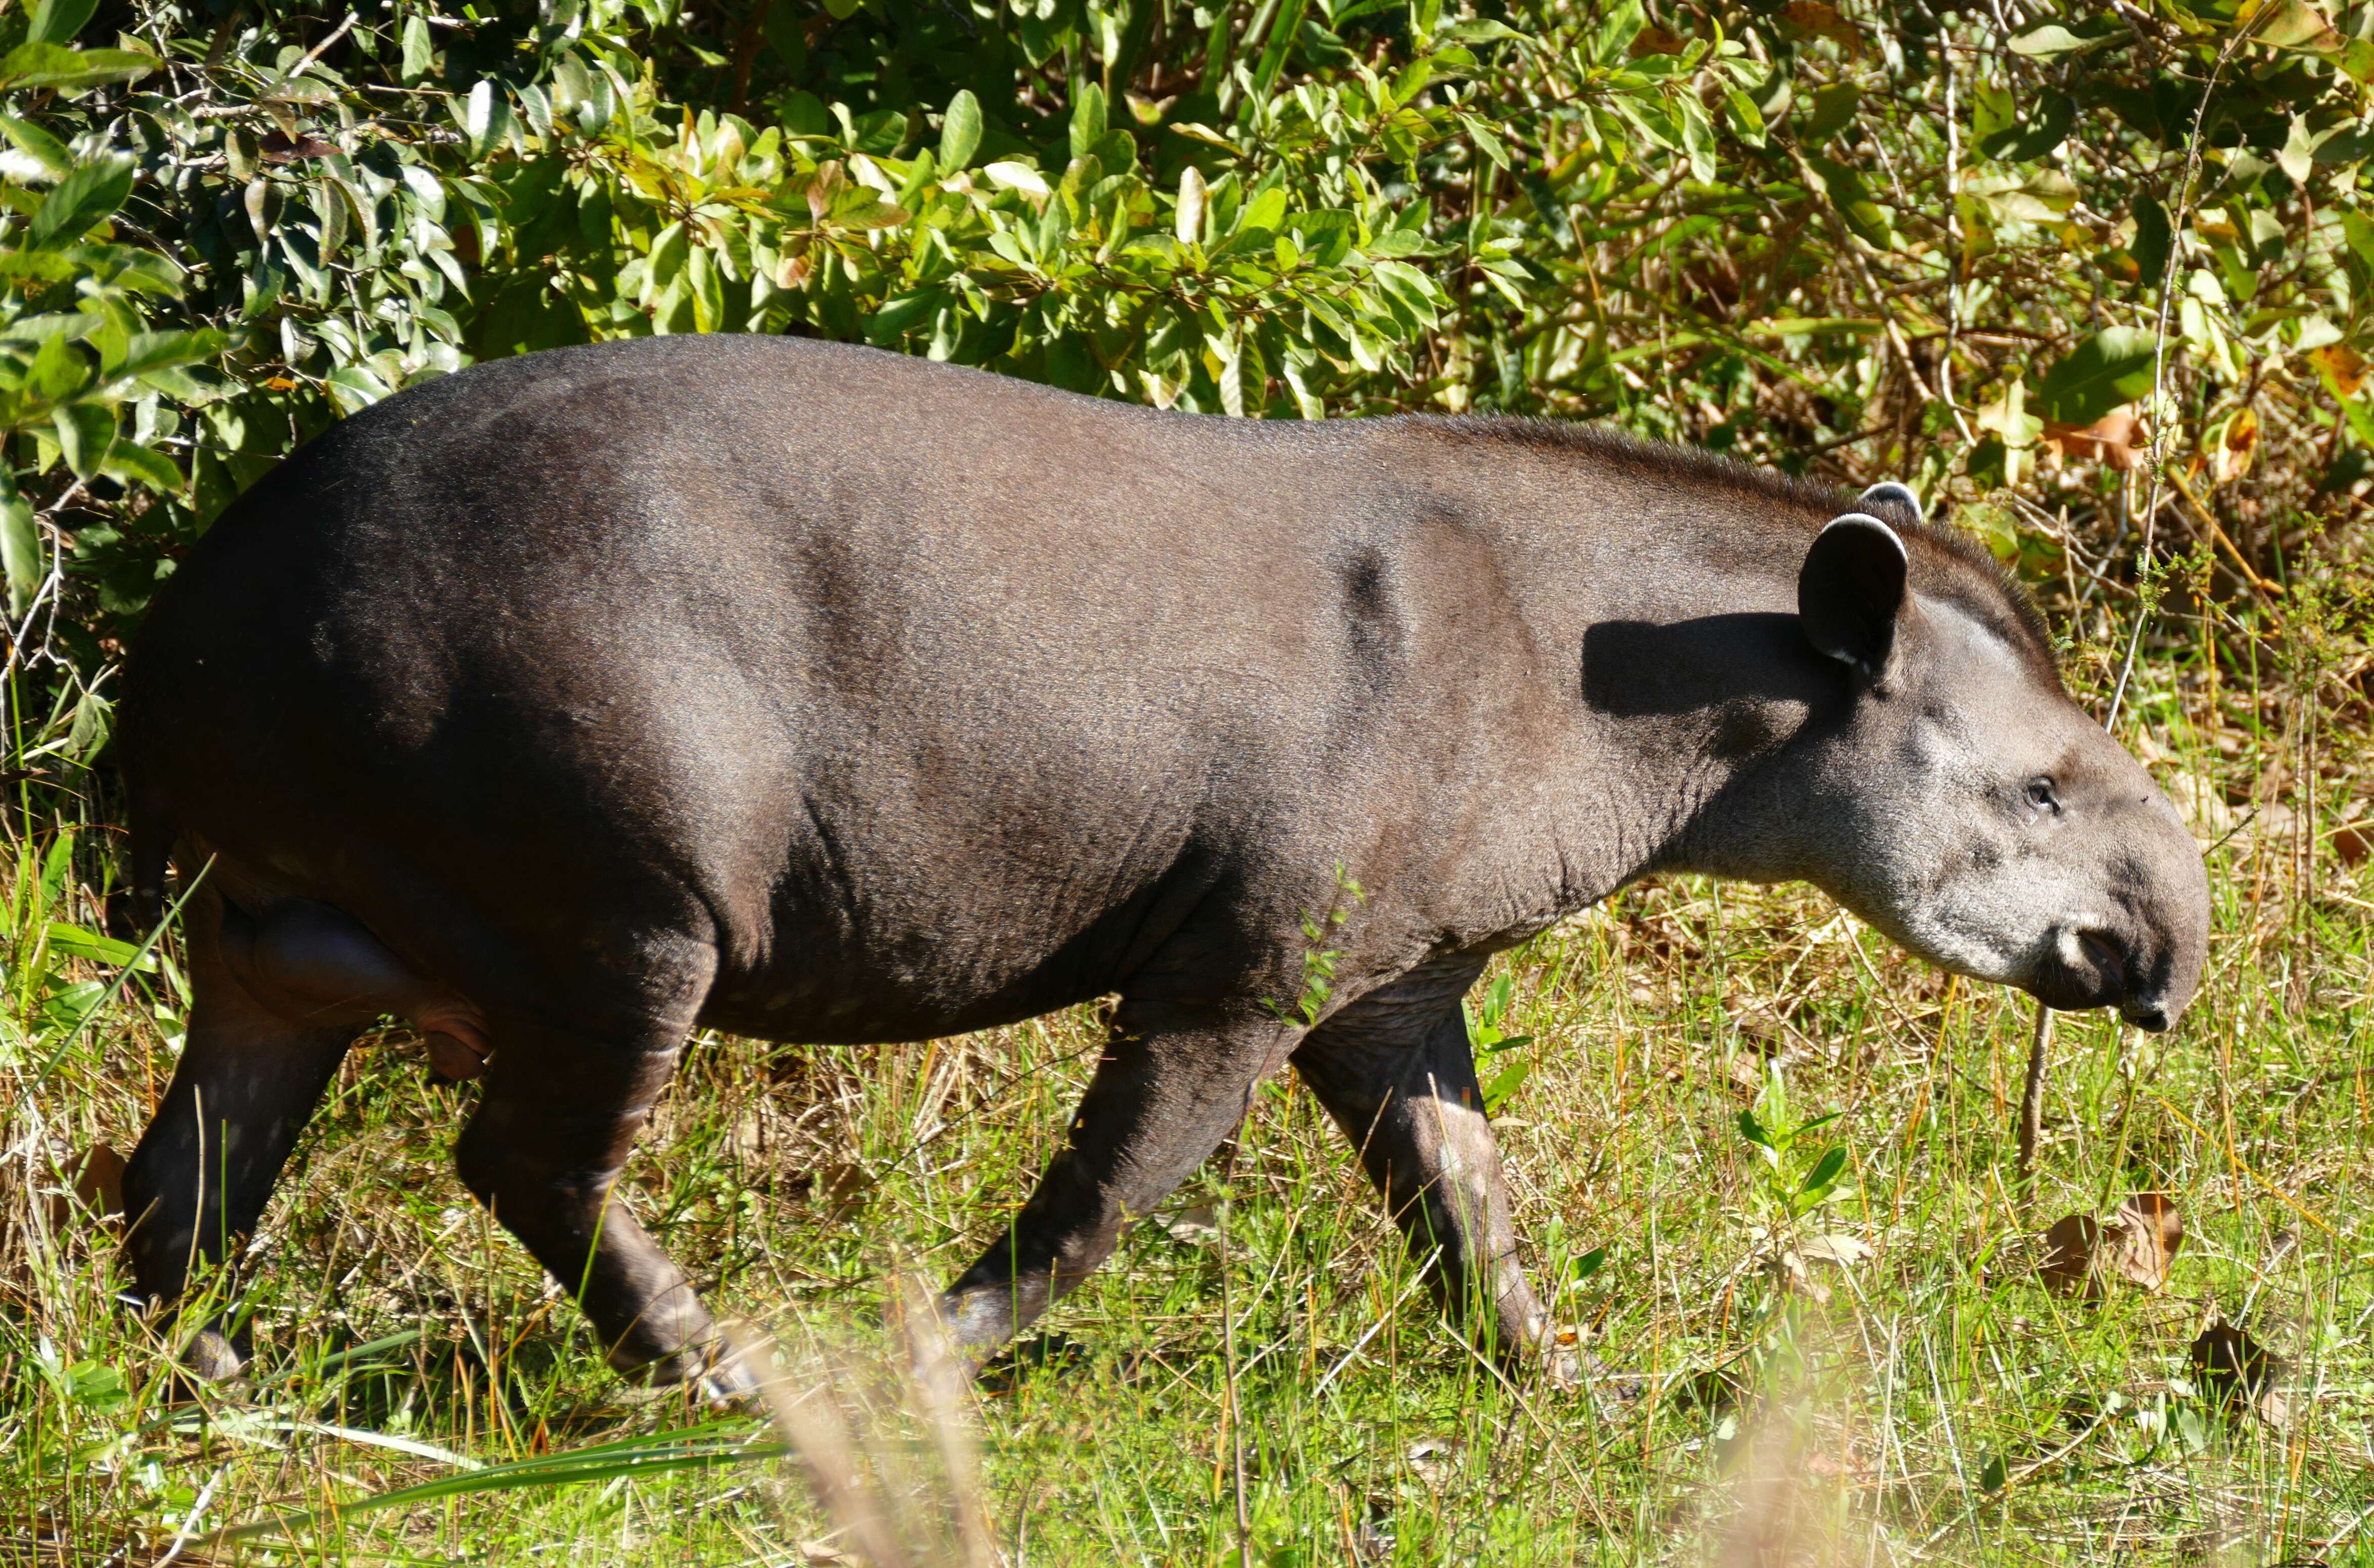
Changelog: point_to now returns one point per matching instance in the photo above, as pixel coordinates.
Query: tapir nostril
(2147, 1016)
(2102, 951)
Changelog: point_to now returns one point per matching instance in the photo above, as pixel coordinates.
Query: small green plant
(1488, 1038)
(1318, 959)
(1798, 1177)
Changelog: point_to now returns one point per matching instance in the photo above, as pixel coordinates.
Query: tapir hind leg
(1395, 1072)
(247, 1083)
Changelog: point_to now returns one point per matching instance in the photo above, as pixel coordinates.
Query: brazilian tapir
(573, 702)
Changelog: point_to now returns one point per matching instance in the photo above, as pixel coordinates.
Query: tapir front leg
(246, 1084)
(1161, 1101)
(1395, 1072)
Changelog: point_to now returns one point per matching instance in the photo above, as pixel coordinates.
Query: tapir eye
(2040, 795)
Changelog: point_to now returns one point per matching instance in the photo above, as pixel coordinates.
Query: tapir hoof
(453, 1060)
(1562, 1369)
(212, 1356)
(714, 1373)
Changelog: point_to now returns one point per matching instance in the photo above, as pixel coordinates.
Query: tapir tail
(152, 857)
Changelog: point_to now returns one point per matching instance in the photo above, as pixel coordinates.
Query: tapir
(574, 702)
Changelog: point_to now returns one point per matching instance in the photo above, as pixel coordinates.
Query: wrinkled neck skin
(1696, 685)
(1711, 716)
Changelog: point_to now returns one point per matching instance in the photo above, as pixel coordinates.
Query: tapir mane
(1947, 564)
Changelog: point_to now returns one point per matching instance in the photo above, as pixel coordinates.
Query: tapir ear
(1888, 492)
(1850, 591)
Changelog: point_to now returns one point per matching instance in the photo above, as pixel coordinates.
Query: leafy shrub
(1866, 240)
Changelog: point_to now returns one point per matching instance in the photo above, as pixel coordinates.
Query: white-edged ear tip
(1895, 491)
(1865, 521)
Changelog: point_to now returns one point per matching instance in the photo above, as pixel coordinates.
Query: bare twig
(2031, 1098)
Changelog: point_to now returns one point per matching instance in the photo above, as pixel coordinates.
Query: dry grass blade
(811, 1423)
(885, 1512)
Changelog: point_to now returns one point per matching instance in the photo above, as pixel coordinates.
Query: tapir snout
(2144, 949)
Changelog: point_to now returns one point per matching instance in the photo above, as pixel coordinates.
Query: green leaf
(2044, 127)
(20, 551)
(1747, 120)
(54, 65)
(300, 92)
(1490, 146)
(84, 199)
(1753, 1130)
(136, 464)
(2040, 196)
(1281, 37)
(57, 21)
(960, 131)
(2295, 24)
(1853, 203)
(2111, 367)
(1825, 1174)
(485, 117)
(1187, 222)
(1088, 119)
(2154, 235)
(2052, 39)
(1584, 1266)
(57, 373)
(354, 387)
(1504, 1085)
(78, 942)
(1830, 111)
(151, 351)
(2297, 154)
(419, 49)
(715, 1442)
(37, 266)
(38, 144)
(1266, 211)
(84, 429)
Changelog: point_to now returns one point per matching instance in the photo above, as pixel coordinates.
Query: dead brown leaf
(2237, 1372)
(2144, 1238)
(2114, 441)
(2343, 367)
(837, 1189)
(2081, 1253)
(2072, 1261)
(2229, 459)
(1823, 21)
(1434, 1457)
(1654, 40)
(281, 147)
(97, 1185)
(1198, 1225)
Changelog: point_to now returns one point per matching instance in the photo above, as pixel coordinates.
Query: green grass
(404, 1344)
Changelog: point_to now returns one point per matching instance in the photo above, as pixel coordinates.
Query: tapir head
(1966, 806)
